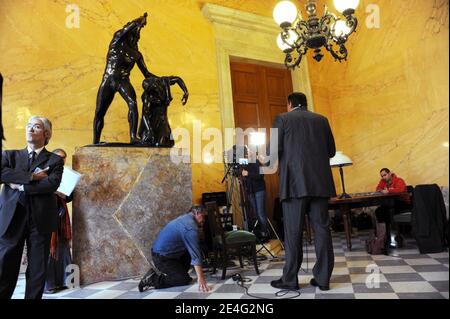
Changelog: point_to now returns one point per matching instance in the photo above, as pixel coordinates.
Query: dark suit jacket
(41, 197)
(429, 219)
(305, 145)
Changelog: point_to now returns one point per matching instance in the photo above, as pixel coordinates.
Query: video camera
(236, 160)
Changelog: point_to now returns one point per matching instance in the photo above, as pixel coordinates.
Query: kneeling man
(175, 249)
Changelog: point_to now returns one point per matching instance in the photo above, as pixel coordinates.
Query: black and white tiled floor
(404, 274)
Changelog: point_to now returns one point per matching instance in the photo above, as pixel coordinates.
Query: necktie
(23, 199)
(31, 158)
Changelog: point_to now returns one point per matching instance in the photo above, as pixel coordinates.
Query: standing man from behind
(28, 209)
(305, 146)
(175, 249)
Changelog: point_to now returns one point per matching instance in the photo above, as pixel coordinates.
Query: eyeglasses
(35, 127)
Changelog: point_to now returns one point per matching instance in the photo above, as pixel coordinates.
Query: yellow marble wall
(55, 71)
(389, 104)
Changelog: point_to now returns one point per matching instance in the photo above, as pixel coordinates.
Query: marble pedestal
(124, 198)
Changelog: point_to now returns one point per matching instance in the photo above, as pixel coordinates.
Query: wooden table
(345, 205)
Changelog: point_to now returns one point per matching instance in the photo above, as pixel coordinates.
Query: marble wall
(389, 103)
(54, 70)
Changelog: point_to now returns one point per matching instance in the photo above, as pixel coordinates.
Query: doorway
(260, 93)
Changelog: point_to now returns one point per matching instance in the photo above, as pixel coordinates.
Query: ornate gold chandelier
(298, 35)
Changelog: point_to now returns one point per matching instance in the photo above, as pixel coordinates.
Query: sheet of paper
(69, 180)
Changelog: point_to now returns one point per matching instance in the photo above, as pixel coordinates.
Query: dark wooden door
(259, 94)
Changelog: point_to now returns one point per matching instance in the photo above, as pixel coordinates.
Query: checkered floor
(404, 274)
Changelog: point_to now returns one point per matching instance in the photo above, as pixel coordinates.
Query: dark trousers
(258, 203)
(173, 270)
(23, 229)
(293, 215)
(386, 212)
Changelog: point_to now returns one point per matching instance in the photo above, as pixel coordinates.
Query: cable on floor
(241, 280)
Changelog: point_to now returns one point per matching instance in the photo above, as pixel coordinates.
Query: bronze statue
(154, 129)
(123, 54)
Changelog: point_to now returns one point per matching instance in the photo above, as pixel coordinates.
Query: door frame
(244, 35)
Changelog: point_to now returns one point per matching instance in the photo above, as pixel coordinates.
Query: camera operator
(255, 188)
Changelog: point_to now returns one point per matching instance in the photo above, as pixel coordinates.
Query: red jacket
(397, 185)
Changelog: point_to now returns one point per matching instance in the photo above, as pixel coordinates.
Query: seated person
(174, 250)
(391, 183)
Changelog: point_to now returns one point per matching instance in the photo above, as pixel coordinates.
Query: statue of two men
(123, 54)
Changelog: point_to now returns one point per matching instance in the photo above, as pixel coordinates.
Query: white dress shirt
(37, 151)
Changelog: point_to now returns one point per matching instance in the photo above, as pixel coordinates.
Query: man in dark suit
(28, 209)
(305, 146)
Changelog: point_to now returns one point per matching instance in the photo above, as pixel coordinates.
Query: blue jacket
(177, 237)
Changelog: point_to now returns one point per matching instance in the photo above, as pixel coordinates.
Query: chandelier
(329, 31)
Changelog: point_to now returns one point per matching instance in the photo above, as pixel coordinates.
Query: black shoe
(314, 283)
(147, 281)
(51, 291)
(280, 285)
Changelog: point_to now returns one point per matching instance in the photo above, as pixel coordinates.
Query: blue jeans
(258, 203)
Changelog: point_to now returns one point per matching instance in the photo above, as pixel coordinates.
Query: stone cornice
(236, 18)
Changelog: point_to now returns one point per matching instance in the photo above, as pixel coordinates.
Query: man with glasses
(28, 209)
(174, 250)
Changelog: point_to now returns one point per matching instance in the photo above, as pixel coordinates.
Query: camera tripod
(262, 244)
(233, 183)
(234, 179)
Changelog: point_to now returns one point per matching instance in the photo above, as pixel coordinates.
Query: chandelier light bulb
(342, 5)
(340, 29)
(285, 13)
(289, 43)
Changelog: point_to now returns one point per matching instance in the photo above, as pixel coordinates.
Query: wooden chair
(224, 242)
